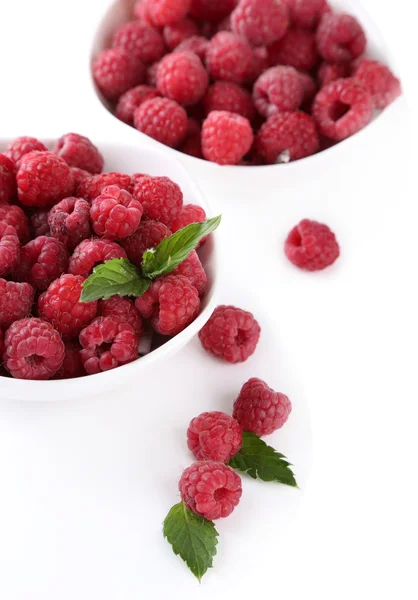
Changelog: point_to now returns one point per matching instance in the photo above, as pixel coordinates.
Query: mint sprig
(116, 276)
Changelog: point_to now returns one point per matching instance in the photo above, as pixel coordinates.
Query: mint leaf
(117, 276)
(169, 253)
(261, 461)
(193, 538)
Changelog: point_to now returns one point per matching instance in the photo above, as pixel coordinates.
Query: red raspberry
(141, 13)
(69, 221)
(231, 334)
(9, 249)
(161, 198)
(189, 213)
(260, 63)
(306, 13)
(287, 136)
(171, 303)
(214, 436)
(225, 95)
(192, 145)
(162, 119)
(226, 137)
(342, 108)
(33, 350)
(229, 57)
(309, 88)
(13, 215)
(115, 214)
(191, 268)
(260, 21)
(296, 48)
(167, 12)
(260, 409)
(7, 179)
(124, 309)
(139, 40)
(78, 151)
(311, 246)
(196, 44)
(148, 235)
(43, 179)
(327, 72)
(21, 146)
(42, 260)
(340, 38)
(16, 301)
(212, 10)
(177, 33)
(79, 175)
(130, 100)
(72, 365)
(1, 349)
(61, 306)
(115, 71)
(379, 80)
(39, 223)
(90, 188)
(151, 76)
(90, 253)
(182, 77)
(210, 489)
(277, 90)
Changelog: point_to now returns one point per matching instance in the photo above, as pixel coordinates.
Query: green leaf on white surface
(117, 276)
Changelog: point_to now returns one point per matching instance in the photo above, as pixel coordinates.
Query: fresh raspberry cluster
(243, 82)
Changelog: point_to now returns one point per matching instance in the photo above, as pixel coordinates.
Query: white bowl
(129, 159)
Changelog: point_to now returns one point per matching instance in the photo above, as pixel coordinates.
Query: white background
(75, 478)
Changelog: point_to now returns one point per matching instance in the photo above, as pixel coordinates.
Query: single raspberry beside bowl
(231, 97)
(277, 90)
(7, 179)
(297, 48)
(72, 365)
(124, 309)
(182, 77)
(140, 40)
(92, 187)
(78, 151)
(21, 146)
(130, 100)
(214, 436)
(229, 57)
(69, 221)
(162, 119)
(42, 260)
(92, 252)
(261, 22)
(43, 179)
(115, 71)
(160, 197)
(311, 246)
(115, 214)
(148, 235)
(9, 249)
(340, 38)
(287, 136)
(13, 215)
(379, 80)
(226, 137)
(167, 12)
(16, 301)
(178, 32)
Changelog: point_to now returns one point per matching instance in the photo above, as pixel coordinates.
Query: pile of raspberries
(243, 82)
(60, 216)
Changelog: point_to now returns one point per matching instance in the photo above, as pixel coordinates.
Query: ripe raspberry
(72, 365)
(39, 223)
(177, 33)
(9, 249)
(342, 108)
(151, 75)
(260, 21)
(124, 309)
(90, 253)
(7, 179)
(43, 179)
(277, 90)
(340, 38)
(1, 350)
(21, 146)
(115, 71)
(16, 301)
(167, 12)
(306, 13)
(260, 409)
(327, 72)
(214, 436)
(90, 188)
(69, 221)
(211, 10)
(160, 197)
(139, 40)
(130, 100)
(78, 151)
(13, 215)
(79, 175)
(309, 90)
(189, 213)
(311, 246)
(191, 268)
(42, 260)
(210, 489)
(141, 13)
(297, 48)
(226, 137)
(60, 305)
(287, 136)
(196, 44)
(192, 145)
(115, 214)
(225, 95)
(231, 334)
(379, 80)
(260, 63)
(162, 119)
(171, 303)
(182, 77)
(33, 350)
(148, 235)
(229, 57)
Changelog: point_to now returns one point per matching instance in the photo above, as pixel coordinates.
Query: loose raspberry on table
(340, 38)
(148, 235)
(311, 246)
(306, 13)
(260, 409)
(124, 309)
(214, 436)
(196, 44)
(42, 260)
(278, 89)
(92, 252)
(261, 22)
(78, 151)
(33, 350)
(327, 72)
(7, 179)
(38, 222)
(9, 249)
(21, 146)
(231, 334)
(79, 175)
(16, 301)
(192, 145)
(379, 80)
(192, 269)
(92, 187)
(296, 48)
(43, 179)
(178, 32)
(115, 214)
(189, 213)
(182, 77)
(160, 197)
(140, 40)
(212, 10)
(226, 137)
(162, 119)
(171, 303)
(229, 96)
(115, 71)
(229, 57)
(72, 365)
(130, 100)
(60, 305)
(287, 136)
(167, 12)
(151, 74)
(210, 489)
(69, 221)
(13, 215)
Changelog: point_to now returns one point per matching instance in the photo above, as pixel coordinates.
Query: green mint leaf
(169, 253)
(193, 538)
(261, 461)
(117, 276)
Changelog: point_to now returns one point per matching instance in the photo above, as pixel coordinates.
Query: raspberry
(9, 249)
(277, 90)
(226, 137)
(43, 179)
(148, 235)
(33, 349)
(79, 175)
(167, 12)
(142, 14)
(214, 436)
(21, 146)
(177, 33)
(342, 108)
(191, 268)
(210, 489)
(115, 71)
(161, 198)
(287, 136)
(378, 80)
(327, 72)
(72, 365)
(7, 179)
(171, 303)
(133, 98)
(192, 145)
(224, 25)
(231, 334)
(311, 246)
(340, 38)
(78, 151)
(69, 221)
(13, 215)
(16, 301)
(196, 44)
(260, 409)
(309, 88)
(306, 13)
(139, 40)
(190, 213)
(61, 306)
(115, 214)
(229, 57)
(151, 76)
(162, 119)
(107, 343)
(42, 260)
(212, 10)
(182, 77)
(92, 252)
(1, 350)
(92, 187)
(124, 309)
(225, 95)
(260, 63)
(260, 21)
(39, 223)
(297, 48)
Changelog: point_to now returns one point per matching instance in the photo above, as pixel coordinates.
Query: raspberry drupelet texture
(42, 260)
(287, 136)
(115, 214)
(115, 71)
(182, 77)
(167, 12)
(16, 301)
(379, 80)
(21, 146)
(9, 249)
(78, 151)
(140, 40)
(148, 235)
(306, 13)
(130, 100)
(192, 145)
(214, 436)
(124, 309)
(141, 13)
(297, 48)
(192, 269)
(13, 215)
(327, 72)
(151, 75)
(210, 489)
(79, 175)
(162, 119)
(278, 89)
(311, 246)
(171, 303)
(72, 365)
(231, 334)
(92, 187)
(260, 409)
(92, 252)
(43, 179)
(7, 179)
(196, 44)
(229, 96)
(178, 32)
(189, 213)
(261, 22)
(229, 57)
(69, 221)
(211, 10)
(33, 349)
(340, 38)
(160, 197)
(61, 306)
(38, 223)
(226, 137)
